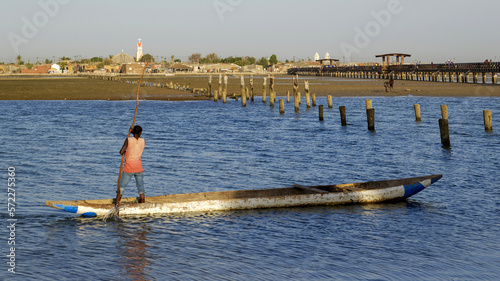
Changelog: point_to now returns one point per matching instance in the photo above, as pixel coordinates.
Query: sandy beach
(83, 88)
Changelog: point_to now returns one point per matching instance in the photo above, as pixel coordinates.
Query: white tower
(327, 56)
(139, 50)
(316, 56)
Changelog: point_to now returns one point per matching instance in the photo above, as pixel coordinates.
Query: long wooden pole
(117, 201)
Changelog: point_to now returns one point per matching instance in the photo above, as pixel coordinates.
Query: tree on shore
(273, 59)
(19, 59)
(194, 58)
(147, 57)
(263, 61)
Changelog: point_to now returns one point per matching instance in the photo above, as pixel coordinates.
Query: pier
(479, 72)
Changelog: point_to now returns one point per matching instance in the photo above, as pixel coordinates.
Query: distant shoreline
(63, 87)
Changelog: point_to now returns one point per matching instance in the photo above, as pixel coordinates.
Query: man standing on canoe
(133, 148)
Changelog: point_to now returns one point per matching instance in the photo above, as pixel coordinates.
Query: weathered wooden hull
(297, 196)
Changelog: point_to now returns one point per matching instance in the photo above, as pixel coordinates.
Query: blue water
(64, 150)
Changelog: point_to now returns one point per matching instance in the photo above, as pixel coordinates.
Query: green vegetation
(146, 58)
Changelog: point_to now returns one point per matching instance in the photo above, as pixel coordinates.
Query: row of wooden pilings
(247, 93)
(458, 77)
(170, 85)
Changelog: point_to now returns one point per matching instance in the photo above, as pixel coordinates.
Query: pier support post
(493, 78)
(418, 117)
(343, 119)
(330, 102)
(288, 97)
(216, 96)
(320, 109)
(314, 99)
(484, 77)
(224, 96)
(488, 126)
(474, 78)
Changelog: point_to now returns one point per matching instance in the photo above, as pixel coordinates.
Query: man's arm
(124, 147)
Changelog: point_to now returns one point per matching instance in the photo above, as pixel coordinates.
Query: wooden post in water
(443, 126)
(296, 101)
(368, 104)
(320, 109)
(264, 90)
(216, 95)
(288, 97)
(251, 88)
(308, 96)
(493, 78)
(343, 118)
(296, 94)
(444, 131)
(444, 111)
(488, 120)
(242, 84)
(314, 99)
(330, 102)
(220, 84)
(272, 92)
(370, 116)
(243, 98)
(210, 85)
(282, 106)
(225, 86)
(418, 117)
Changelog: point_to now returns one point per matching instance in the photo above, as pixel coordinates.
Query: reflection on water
(133, 247)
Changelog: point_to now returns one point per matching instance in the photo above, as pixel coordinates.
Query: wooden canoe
(296, 196)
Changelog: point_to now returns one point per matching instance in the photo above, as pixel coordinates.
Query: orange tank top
(133, 163)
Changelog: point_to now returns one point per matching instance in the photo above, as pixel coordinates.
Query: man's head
(137, 131)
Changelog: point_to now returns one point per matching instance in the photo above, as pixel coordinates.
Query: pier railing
(445, 72)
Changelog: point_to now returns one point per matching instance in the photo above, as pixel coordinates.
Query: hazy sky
(350, 30)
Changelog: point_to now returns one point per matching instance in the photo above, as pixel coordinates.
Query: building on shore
(179, 67)
(139, 50)
(253, 68)
(122, 58)
(132, 68)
